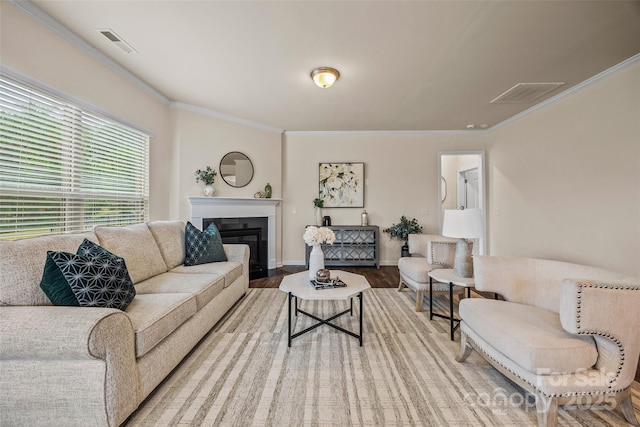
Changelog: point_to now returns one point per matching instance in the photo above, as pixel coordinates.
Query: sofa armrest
(609, 312)
(44, 347)
(52, 332)
(238, 253)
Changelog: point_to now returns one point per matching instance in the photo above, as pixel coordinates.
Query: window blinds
(64, 169)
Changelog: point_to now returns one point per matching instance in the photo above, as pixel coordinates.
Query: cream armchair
(428, 252)
(566, 333)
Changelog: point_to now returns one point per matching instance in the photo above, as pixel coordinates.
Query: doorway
(462, 185)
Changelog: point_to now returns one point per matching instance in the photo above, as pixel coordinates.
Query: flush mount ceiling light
(325, 77)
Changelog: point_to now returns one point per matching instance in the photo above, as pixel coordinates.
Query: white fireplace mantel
(235, 207)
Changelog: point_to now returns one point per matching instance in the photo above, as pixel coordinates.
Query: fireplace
(251, 231)
(229, 215)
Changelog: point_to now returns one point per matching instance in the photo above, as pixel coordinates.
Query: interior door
(468, 189)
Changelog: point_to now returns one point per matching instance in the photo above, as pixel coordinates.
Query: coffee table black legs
(323, 321)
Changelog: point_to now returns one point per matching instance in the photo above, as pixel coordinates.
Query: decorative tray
(333, 283)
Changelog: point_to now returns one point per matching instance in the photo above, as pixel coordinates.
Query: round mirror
(236, 169)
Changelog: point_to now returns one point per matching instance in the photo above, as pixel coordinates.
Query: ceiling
(415, 65)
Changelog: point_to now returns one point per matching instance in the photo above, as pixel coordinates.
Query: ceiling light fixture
(325, 77)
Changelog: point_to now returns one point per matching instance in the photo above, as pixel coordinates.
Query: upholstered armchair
(567, 333)
(428, 252)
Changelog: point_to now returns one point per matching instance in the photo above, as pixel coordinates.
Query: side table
(446, 275)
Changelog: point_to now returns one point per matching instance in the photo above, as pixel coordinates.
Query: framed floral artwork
(342, 185)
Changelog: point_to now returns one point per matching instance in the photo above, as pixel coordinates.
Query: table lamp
(465, 224)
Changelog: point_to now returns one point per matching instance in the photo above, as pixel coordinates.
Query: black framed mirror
(236, 169)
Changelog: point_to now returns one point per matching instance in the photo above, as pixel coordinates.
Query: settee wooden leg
(400, 285)
(419, 299)
(627, 410)
(546, 410)
(465, 348)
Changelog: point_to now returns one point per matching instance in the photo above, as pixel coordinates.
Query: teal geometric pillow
(203, 246)
(55, 286)
(92, 278)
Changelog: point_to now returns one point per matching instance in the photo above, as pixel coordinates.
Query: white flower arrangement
(318, 236)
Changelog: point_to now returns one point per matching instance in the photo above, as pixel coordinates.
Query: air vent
(523, 93)
(117, 40)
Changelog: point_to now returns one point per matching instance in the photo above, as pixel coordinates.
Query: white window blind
(64, 169)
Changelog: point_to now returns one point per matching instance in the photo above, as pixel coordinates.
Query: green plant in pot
(402, 230)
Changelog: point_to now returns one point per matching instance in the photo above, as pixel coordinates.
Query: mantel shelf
(200, 200)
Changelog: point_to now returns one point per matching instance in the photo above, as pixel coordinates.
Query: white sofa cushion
(136, 245)
(531, 337)
(203, 286)
(230, 270)
(22, 263)
(169, 236)
(155, 316)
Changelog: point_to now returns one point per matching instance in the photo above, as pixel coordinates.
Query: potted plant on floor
(402, 230)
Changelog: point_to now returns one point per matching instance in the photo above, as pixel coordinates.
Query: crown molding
(34, 11)
(227, 117)
(386, 132)
(606, 73)
(31, 9)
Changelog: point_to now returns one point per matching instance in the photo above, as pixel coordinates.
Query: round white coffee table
(298, 286)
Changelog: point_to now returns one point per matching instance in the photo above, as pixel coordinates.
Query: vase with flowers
(207, 176)
(315, 237)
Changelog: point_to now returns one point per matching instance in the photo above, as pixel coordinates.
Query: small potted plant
(207, 176)
(402, 230)
(318, 204)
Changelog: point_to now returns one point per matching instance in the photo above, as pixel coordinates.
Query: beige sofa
(82, 366)
(566, 333)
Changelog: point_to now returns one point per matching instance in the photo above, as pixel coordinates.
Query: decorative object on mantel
(341, 185)
(364, 218)
(259, 195)
(267, 191)
(326, 221)
(402, 230)
(314, 237)
(207, 176)
(318, 204)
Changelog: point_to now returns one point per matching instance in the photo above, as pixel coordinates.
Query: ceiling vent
(524, 93)
(117, 40)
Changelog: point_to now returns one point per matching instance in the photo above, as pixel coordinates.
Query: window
(65, 169)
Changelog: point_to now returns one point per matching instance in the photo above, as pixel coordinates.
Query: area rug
(243, 373)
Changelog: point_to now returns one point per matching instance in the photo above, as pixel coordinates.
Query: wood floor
(383, 277)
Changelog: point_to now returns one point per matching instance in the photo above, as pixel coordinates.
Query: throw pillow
(55, 286)
(94, 276)
(203, 246)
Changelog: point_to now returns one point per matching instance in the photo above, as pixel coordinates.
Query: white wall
(34, 50)
(401, 174)
(201, 140)
(564, 182)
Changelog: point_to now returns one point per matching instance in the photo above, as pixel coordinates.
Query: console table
(355, 245)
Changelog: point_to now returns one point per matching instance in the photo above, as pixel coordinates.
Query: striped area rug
(243, 373)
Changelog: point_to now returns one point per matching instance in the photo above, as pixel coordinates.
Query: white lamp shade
(465, 224)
